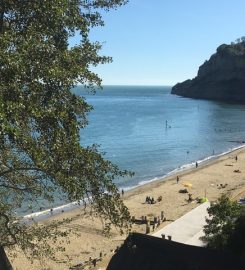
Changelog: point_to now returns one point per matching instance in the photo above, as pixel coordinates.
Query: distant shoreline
(182, 170)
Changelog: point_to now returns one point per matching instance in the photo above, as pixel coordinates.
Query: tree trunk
(4, 261)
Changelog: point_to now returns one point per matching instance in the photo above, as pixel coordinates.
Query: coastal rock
(222, 77)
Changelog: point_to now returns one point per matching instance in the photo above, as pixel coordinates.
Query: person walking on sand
(190, 199)
(236, 158)
(177, 179)
(196, 164)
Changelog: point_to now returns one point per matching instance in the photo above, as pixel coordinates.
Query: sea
(148, 131)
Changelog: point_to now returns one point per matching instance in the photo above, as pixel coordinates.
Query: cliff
(222, 77)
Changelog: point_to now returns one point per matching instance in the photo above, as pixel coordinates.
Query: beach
(206, 180)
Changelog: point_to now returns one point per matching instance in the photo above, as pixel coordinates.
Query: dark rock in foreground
(222, 77)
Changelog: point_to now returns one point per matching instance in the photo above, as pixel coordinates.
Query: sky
(162, 42)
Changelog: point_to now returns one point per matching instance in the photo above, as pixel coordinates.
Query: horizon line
(142, 85)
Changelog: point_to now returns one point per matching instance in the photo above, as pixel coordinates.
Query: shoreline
(206, 179)
(185, 168)
(208, 161)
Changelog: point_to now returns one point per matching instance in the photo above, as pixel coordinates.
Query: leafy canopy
(40, 117)
(222, 223)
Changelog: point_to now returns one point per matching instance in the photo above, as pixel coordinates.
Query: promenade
(187, 229)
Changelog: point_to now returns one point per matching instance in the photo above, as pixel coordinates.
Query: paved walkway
(189, 228)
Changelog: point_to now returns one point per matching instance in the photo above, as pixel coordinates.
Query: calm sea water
(151, 132)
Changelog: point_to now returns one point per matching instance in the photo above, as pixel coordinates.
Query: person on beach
(177, 179)
(152, 200)
(147, 199)
(196, 164)
(236, 158)
(190, 199)
(122, 192)
(94, 262)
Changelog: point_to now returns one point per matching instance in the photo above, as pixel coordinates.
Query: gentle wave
(42, 215)
(185, 167)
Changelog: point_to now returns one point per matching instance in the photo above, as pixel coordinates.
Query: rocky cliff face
(222, 77)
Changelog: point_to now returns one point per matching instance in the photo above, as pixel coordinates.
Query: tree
(236, 242)
(238, 40)
(222, 223)
(40, 117)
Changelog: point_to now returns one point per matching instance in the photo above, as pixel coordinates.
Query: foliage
(236, 48)
(236, 241)
(222, 222)
(40, 117)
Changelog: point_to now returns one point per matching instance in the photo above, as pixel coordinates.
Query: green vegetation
(225, 230)
(235, 48)
(40, 118)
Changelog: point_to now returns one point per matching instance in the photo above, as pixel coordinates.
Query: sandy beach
(205, 180)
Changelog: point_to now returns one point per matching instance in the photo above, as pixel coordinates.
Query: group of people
(222, 186)
(150, 200)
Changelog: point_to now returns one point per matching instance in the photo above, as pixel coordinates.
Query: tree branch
(16, 188)
(6, 223)
(1, 19)
(20, 169)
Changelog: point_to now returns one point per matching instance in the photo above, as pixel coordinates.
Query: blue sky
(162, 42)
